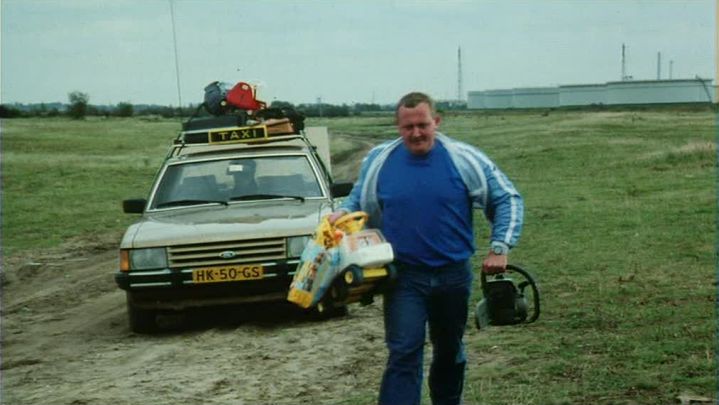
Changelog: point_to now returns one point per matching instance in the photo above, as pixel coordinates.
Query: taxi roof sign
(237, 134)
(226, 135)
(221, 134)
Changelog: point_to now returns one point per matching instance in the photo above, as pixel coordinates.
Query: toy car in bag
(343, 264)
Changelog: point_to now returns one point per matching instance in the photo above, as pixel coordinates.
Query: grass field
(620, 229)
(64, 180)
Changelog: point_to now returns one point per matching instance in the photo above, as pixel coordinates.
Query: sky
(368, 51)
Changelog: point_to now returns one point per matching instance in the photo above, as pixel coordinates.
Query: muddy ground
(66, 341)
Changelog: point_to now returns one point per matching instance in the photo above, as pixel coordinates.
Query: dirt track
(66, 341)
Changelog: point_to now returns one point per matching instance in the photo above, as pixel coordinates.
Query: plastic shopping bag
(319, 265)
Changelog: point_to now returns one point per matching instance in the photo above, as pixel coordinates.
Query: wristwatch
(499, 248)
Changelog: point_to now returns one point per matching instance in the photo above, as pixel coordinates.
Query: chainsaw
(504, 302)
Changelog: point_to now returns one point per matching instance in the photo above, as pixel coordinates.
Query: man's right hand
(333, 217)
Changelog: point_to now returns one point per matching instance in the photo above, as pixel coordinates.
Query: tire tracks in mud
(348, 160)
(65, 340)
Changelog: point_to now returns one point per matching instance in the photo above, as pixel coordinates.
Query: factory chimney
(460, 91)
(624, 64)
(671, 68)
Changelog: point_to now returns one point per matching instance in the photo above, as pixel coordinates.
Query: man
(243, 176)
(419, 190)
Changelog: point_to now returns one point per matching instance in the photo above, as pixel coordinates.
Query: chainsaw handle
(530, 281)
(510, 267)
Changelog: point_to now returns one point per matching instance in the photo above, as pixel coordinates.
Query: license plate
(227, 273)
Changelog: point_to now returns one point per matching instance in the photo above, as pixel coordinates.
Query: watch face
(498, 250)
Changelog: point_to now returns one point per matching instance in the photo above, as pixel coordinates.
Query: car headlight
(296, 244)
(151, 258)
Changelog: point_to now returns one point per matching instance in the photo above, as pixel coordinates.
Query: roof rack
(217, 132)
(228, 129)
(233, 123)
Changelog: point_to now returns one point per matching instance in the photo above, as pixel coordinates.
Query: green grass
(66, 179)
(369, 127)
(620, 229)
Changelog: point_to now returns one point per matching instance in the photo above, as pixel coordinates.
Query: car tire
(141, 320)
(327, 311)
(336, 312)
(389, 282)
(353, 275)
(338, 292)
(391, 272)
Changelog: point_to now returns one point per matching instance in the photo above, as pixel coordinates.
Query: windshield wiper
(265, 197)
(189, 202)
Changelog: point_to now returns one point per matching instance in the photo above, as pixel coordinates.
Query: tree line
(79, 107)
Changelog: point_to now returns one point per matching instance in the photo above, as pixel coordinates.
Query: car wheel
(388, 283)
(338, 292)
(327, 310)
(141, 320)
(391, 272)
(339, 311)
(353, 275)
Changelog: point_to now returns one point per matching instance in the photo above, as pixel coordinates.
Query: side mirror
(341, 189)
(134, 206)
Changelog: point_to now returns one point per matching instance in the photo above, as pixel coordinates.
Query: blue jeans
(438, 297)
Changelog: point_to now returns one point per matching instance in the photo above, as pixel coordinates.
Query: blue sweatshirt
(487, 187)
(429, 205)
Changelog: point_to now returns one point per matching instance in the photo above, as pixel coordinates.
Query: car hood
(219, 223)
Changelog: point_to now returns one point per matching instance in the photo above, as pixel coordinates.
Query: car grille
(244, 251)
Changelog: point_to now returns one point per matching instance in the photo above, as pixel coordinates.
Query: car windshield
(241, 179)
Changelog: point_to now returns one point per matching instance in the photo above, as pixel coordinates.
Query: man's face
(417, 126)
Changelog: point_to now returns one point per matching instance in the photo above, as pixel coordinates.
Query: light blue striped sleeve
(493, 192)
(353, 202)
(504, 206)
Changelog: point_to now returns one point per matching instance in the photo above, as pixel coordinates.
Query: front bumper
(174, 288)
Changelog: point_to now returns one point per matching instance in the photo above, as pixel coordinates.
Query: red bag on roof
(242, 96)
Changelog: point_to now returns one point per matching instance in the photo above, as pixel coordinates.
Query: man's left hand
(494, 264)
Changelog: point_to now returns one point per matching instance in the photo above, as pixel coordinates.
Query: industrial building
(626, 92)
